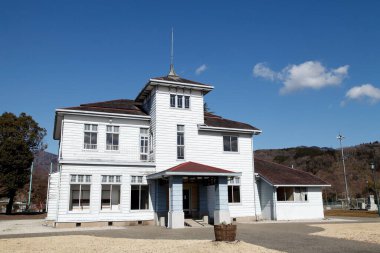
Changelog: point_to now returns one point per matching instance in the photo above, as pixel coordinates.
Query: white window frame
(139, 181)
(113, 131)
(79, 179)
(173, 98)
(230, 142)
(186, 98)
(111, 180)
(234, 182)
(303, 195)
(179, 101)
(144, 149)
(93, 129)
(180, 145)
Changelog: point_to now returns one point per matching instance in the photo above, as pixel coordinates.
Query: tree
(20, 138)
(206, 108)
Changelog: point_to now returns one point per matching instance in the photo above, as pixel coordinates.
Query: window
(144, 144)
(187, 102)
(80, 187)
(139, 194)
(182, 101)
(234, 190)
(110, 193)
(291, 194)
(112, 138)
(172, 100)
(179, 101)
(230, 143)
(90, 136)
(180, 142)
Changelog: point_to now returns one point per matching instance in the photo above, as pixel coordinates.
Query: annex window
(234, 190)
(187, 102)
(172, 100)
(144, 141)
(110, 193)
(90, 136)
(80, 188)
(230, 143)
(291, 194)
(139, 194)
(180, 142)
(112, 138)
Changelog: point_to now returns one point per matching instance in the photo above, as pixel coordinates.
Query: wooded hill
(326, 163)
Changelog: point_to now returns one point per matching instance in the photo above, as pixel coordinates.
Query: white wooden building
(157, 159)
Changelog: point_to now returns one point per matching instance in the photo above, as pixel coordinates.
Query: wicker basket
(225, 232)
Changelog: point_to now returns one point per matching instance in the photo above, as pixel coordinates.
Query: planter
(225, 232)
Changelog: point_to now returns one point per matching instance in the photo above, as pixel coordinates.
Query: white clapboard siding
(95, 213)
(200, 146)
(53, 196)
(73, 139)
(310, 209)
(266, 200)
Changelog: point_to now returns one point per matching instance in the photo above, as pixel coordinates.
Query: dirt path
(364, 232)
(85, 243)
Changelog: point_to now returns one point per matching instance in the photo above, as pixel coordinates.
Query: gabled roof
(120, 106)
(213, 120)
(280, 175)
(193, 169)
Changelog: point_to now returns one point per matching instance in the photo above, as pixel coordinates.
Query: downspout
(274, 203)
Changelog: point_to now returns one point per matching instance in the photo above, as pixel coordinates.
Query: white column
(176, 217)
(221, 212)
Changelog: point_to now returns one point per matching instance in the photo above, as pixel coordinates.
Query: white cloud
(201, 69)
(310, 74)
(364, 92)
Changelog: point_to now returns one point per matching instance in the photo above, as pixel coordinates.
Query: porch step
(196, 223)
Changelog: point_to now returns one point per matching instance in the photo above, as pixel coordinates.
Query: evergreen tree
(20, 137)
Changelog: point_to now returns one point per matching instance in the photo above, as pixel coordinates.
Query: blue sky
(302, 71)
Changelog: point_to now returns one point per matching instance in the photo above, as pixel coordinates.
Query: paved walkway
(289, 237)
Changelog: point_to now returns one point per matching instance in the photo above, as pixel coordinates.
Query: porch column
(221, 212)
(176, 217)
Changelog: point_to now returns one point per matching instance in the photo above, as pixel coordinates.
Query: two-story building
(158, 159)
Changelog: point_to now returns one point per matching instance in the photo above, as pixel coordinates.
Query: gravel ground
(85, 243)
(363, 232)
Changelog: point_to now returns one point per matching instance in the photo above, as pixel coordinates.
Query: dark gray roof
(278, 174)
(213, 120)
(121, 106)
(178, 79)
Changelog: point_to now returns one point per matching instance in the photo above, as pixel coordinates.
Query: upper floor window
(172, 100)
(187, 102)
(179, 101)
(144, 144)
(180, 142)
(90, 136)
(112, 138)
(230, 143)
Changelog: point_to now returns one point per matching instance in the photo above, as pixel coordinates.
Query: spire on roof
(172, 72)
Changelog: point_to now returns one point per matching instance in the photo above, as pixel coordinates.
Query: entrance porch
(191, 190)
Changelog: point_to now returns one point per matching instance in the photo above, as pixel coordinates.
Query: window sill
(231, 152)
(235, 204)
(90, 150)
(110, 211)
(112, 151)
(140, 211)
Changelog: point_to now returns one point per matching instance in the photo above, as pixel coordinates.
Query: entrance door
(186, 202)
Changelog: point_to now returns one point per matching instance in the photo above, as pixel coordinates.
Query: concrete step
(192, 223)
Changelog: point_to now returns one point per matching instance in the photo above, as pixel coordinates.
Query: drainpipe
(60, 171)
(254, 180)
(274, 203)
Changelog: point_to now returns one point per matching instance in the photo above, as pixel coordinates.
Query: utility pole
(340, 138)
(30, 184)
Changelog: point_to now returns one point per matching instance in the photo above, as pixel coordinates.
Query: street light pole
(340, 138)
(373, 168)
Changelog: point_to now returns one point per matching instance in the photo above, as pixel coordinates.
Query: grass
(352, 213)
